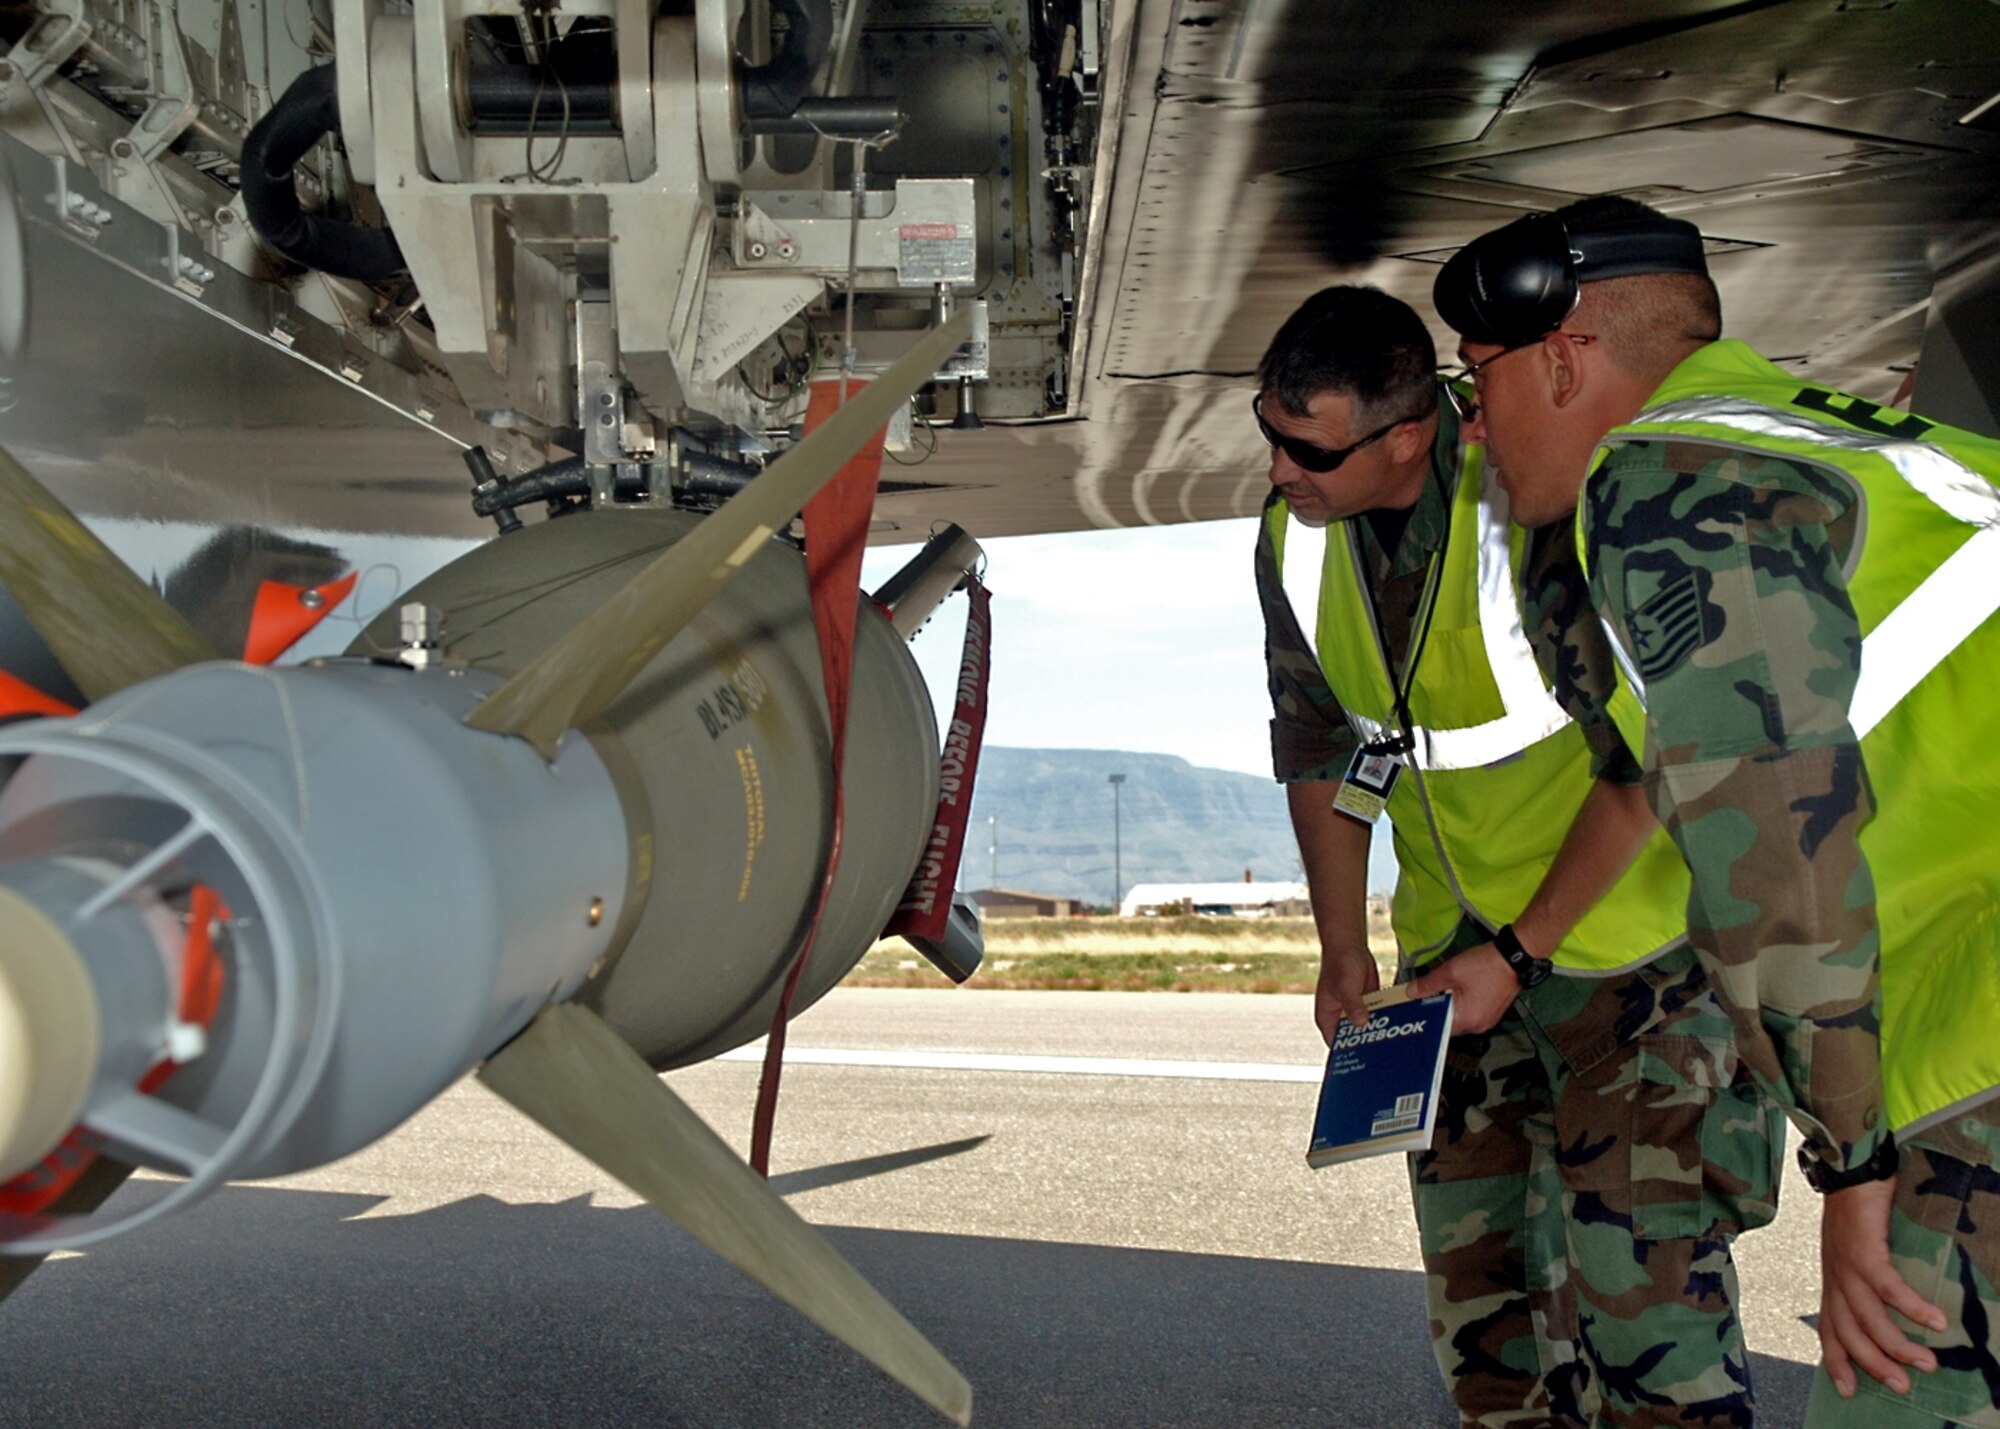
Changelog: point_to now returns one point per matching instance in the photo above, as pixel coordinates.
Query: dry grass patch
(1189, 954)
(1147, 935)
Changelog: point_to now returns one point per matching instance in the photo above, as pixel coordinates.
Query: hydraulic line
(306, 113)
(773, 91)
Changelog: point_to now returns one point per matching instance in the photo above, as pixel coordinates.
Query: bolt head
(186, 1041)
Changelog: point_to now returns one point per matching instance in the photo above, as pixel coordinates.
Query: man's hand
(1858, 1286)
(1345, 977)
(1482, 984)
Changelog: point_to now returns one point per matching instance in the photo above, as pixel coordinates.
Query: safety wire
(800, 368)
(546, 174)
(928, 447)
(858, 190)
(542, 55)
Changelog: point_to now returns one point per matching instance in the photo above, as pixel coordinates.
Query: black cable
(1403, 741)
(773, 91)
(800, 367)
(538, 174)
(304, 114)
(558, 479)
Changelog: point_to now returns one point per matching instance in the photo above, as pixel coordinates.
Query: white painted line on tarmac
(1018, 1062)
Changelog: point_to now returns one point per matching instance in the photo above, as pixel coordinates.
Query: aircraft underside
(514, 311)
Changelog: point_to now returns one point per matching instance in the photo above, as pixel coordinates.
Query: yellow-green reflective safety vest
(1498, 770)
(1924, 577)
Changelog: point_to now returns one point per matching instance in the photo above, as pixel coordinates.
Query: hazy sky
(1145, 639)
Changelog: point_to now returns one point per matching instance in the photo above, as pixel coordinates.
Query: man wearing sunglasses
(1404, 682)
(1799, 587)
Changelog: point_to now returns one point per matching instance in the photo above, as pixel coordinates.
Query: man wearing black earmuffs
(1532, 880)
(1798, 586)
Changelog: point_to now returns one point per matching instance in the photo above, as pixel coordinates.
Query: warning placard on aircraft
(928, 253)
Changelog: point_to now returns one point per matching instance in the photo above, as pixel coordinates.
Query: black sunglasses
(1309, 456)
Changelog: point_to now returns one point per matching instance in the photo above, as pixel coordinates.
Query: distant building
(1231, 900)
(1017, 903)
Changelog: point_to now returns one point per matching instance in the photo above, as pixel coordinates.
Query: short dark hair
(1358, 341)
(1646, 319)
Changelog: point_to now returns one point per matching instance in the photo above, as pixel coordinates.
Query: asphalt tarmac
(1142, 1248)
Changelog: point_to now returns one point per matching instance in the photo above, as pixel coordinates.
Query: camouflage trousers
(1596, 1153)
(1944, 1236)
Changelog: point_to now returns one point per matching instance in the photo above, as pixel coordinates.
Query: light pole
(1117, 844)
(992, 850)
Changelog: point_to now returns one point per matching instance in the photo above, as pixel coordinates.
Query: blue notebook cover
(1381, 1087)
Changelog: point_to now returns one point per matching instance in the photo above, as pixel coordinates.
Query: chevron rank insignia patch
(1668, 628)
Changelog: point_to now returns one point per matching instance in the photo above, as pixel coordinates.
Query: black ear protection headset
(1515, 285)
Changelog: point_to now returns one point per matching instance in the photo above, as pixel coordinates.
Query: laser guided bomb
(563, 819)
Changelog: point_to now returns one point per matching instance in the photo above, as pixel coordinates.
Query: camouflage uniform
(1722, 572)
(1599, 1147)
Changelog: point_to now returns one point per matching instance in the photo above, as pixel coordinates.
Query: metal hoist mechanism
(607, 259)
(583, 233)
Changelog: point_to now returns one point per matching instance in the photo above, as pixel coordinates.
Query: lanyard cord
(1404, 739)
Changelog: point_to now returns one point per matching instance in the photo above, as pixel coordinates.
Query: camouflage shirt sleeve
(1310, 737)
(1570, 644)
(1722, 574)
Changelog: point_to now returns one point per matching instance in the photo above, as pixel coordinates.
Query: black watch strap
(1878, 1167)
(1529, 970)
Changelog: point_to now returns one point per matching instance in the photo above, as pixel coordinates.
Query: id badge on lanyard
(1377, 765)
(1370, 779)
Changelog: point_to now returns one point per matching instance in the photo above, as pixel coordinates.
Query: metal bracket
(921, 234)
(760, 239)
(599, 393)
(740, 310)
(174, 105)
(50, 44)
(716, 23)
(352, 22)
(78, 211)
(635, 87)
(447, 147)
(186, 271)
(974, 358)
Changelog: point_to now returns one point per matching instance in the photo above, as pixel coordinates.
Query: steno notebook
(1381, 1087)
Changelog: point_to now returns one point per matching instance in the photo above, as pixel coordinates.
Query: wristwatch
(1529, 970)
(1878, 1167)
